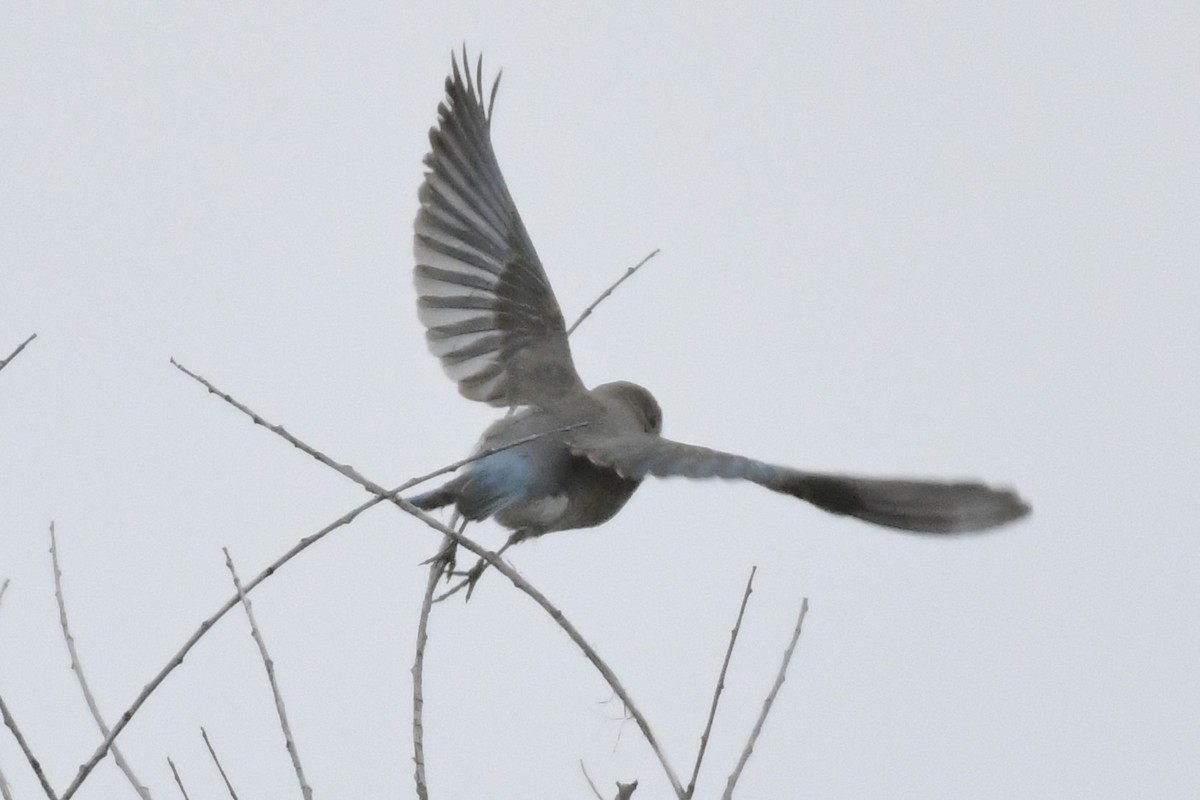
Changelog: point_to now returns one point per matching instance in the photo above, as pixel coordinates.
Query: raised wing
(490, 314)
(911, 505)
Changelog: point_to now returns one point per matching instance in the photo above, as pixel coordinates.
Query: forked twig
(212, 752)
(77, 668)
(418, 675)
(29, 756)
(587, 312)
(766, 709)
(5, 361)
(281, 710)
(712, 711)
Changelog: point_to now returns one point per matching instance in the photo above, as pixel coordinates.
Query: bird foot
(445, 557)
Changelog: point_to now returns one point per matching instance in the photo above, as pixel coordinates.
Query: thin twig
(5, 790)
(4, 362)
(514, 577)
(288, 740)
(418, 676)
(77, 668)
(712, 711)
(589, 780)
(217, 761)
(178, 780)
(33, 762)
(766, 709)
(587, 312)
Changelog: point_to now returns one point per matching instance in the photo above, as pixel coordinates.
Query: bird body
(540, 485)
(492, 319)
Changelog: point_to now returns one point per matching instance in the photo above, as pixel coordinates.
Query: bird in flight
(493, 321)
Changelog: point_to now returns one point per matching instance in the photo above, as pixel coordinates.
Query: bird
(567, 456)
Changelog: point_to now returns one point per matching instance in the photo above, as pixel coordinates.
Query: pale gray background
(896, 238)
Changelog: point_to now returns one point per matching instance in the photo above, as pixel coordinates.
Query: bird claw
(472, 575)
(445, 557)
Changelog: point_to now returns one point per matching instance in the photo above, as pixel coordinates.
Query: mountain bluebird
(492, 319)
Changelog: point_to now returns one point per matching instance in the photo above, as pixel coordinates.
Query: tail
(444, 495)
(922, 506)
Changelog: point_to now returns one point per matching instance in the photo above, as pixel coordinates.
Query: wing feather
(489, 311)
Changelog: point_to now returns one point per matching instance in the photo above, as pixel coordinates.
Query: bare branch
(3, 589)
(514, 577)
(587, 312)
(77, 668)
(766, 709)
(626, 790)
(288, 739)
(418, 675)
(178, 780)
(217, 761)
(4, 362)
(33, 762)
(86, 768)
(588, 778)
(712, 711)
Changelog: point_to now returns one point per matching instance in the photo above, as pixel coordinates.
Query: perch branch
(418, 675)
(513, 576)
(86, 768)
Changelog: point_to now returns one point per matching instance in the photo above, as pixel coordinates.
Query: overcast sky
(908, 238)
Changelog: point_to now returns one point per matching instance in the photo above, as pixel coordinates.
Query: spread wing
(911, 505)
(490, 314)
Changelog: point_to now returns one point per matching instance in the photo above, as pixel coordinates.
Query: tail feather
(922, 506)
(444, 495)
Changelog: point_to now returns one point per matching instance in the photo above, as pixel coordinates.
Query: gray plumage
(493, 320)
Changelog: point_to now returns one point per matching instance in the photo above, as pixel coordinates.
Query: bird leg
(471, 577)
(447, 554)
